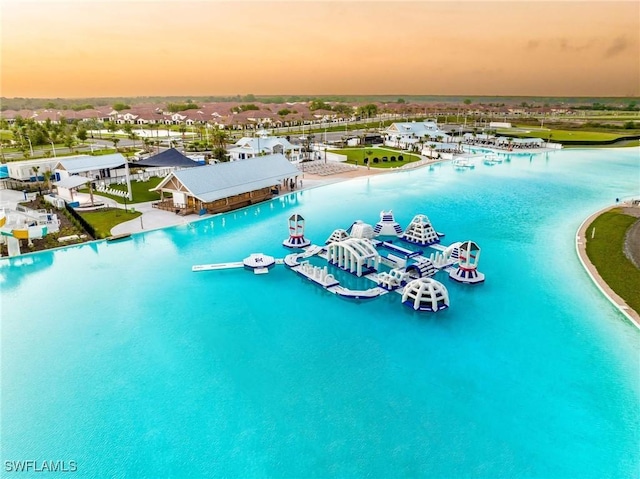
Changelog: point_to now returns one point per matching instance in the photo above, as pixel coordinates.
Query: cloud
(569, 46)
(618, 45)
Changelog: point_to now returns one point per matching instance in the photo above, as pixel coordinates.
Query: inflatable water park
(391, 258)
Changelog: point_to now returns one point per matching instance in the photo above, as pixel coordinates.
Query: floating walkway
(217, 266)
(257, 262)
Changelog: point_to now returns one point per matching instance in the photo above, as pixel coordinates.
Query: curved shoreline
(610, 294)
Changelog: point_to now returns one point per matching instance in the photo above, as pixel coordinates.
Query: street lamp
(30, 145)
(54, 148)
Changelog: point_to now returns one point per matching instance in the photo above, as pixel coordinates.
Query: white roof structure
(525, 141)
(81, 164)
(71, 182)
(477, 136)
(414, 128)
(262, 144)
(222, 180)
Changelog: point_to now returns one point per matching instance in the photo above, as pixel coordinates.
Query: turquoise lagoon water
(118, 357)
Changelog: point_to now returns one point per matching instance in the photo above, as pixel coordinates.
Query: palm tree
(115, 142)
(35, 170)
(182, 129)
(133, 136)
(219, 140)
(47, 179)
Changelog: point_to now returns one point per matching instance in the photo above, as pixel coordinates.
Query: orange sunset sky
(93, 48)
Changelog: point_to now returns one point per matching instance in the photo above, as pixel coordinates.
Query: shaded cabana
(94, 168)
(170, 158)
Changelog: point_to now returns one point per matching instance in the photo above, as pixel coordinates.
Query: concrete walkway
(151, 219)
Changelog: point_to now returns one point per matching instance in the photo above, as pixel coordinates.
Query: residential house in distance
(250, 147)
(406, 134)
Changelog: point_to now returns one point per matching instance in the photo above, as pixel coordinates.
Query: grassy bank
(605, 251)
(618, 144)
(560, 135)
(103, 220)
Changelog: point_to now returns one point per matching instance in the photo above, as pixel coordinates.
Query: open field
(559, 135)
(356, 156)
(618, 144)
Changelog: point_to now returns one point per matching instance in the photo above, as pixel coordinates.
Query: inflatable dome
(425, 294)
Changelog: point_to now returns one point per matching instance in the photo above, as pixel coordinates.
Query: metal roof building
(225, 186)
(80, 164)
(93, 168)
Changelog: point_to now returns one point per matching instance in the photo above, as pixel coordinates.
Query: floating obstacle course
(391, 267)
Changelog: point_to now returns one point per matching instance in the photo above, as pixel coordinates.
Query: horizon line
(319, 95)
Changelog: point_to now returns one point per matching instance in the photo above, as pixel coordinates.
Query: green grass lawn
(356, 156)
(560, 135)
(6, 135)
(605, 251)
(618, 144)
(139, 189)
(103, 220)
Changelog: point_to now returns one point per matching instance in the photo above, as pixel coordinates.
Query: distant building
(249, 147)
(499, 124)
(407, 134)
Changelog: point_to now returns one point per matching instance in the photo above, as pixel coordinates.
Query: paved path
(151, 219)
(581, 246)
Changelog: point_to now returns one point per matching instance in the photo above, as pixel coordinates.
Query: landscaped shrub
(384, 158)
(393, 158)
(400, 158)
(376, 160)
(80, 222)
